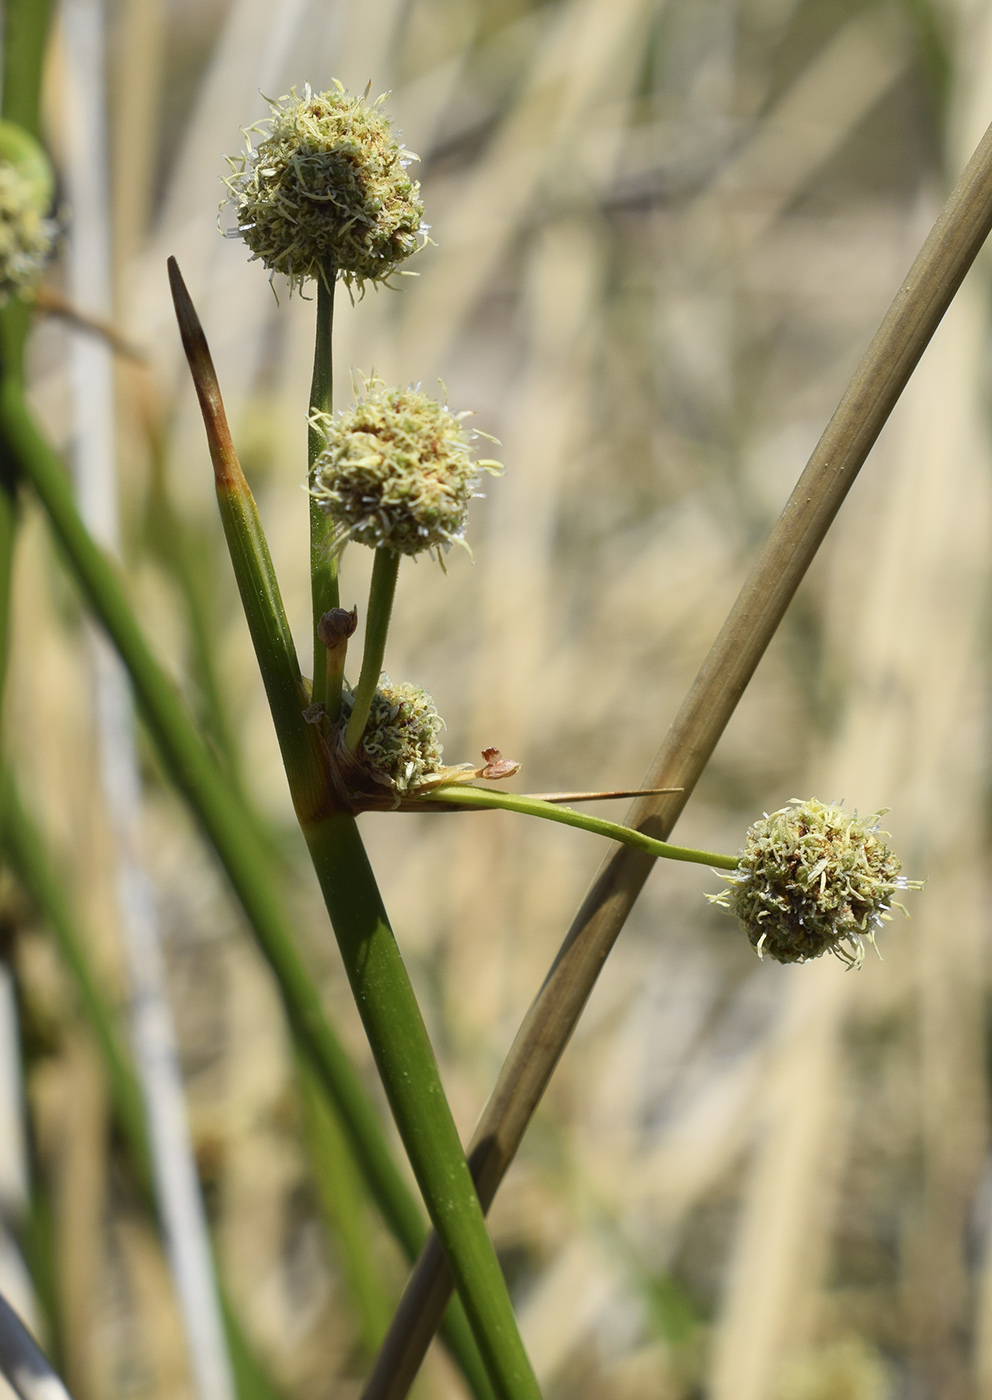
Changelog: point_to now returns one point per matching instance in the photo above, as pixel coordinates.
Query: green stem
(25, 848)
(462, 795)
(323, 564)
(410, 1076)
(334, 630)
(227, 825)
(381, 593)
(185, 557)
(277, 661)
(15, 320)
(344, 1207)
(299, 741)
(25, 33)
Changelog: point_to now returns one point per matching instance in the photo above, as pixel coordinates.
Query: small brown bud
(336, 626)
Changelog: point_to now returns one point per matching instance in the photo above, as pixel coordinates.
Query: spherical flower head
(397, 472)
(27, 235)
(814, 879)
(327, 188)
(400, 744)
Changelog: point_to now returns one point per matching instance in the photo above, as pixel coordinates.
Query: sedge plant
(231, 828)
(349, 749)
(324, 196)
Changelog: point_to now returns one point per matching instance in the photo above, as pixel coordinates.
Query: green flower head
(400, 744)
(397, 471)
(814, 879)
(327, 191)
(27, 235)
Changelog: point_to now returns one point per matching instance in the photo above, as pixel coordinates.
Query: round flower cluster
(400, 744)
(814, 879)
(397, 472)
(27, 236)
(327, 191)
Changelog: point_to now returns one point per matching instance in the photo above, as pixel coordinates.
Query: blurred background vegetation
(664, 232)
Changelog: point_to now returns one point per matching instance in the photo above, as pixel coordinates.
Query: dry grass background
(665, 230)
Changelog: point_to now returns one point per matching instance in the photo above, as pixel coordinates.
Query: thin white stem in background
(23, 1362)
(176, 1182)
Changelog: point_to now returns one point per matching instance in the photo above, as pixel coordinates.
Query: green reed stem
(271, 637)
(382, 590)
(343, 1204)
(189, 561)
(323, 564)
(25, 34)
(276, 654)
(379, 981)
(409, 1073)
(14, 322)
(227, 825)
(463, 795)
(25, 848)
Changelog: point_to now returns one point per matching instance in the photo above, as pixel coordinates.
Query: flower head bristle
(397, 472)
(814, 879)
(327, 188)
(27, 234)
(400, 745)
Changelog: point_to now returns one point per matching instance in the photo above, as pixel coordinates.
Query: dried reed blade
(879, 379)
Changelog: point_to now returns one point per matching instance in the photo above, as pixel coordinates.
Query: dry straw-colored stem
(878, 381)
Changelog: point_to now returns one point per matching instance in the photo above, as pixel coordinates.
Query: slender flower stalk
(334, 629)
(381, 593)
(323, 560)
(464, 796)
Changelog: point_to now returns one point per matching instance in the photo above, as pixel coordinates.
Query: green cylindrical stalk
(276, 655)
(15, 319)
(409, 1074)
(229, 828)
(25, 32)
(381, 593)
(463, 795)
(25, 848)
(323, 564)
(334, 630)
(344, 1206)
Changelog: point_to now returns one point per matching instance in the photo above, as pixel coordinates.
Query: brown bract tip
(496, 766)
(227, 468)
